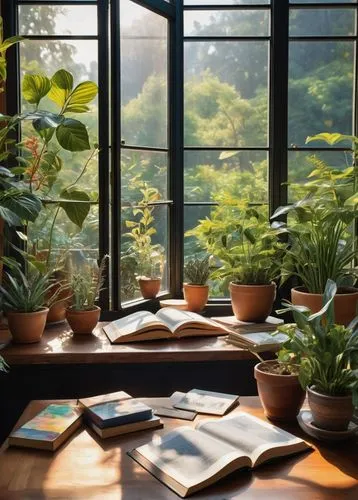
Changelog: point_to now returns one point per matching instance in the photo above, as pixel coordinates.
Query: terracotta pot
(196, 296)
(149, 287)
(345, 302)
(82, 322)
(252, 302)
(281, 395)
(332, 413)
(27, 328)
(57, 312)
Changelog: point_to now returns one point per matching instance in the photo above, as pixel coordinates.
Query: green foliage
(197, 271)
(319, 226)
(247, 249)
(86, 284)
(4, 367)
(327, 353)
(5, 44)
(26, 293)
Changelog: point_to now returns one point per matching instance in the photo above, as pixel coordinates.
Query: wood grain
(87, 468)
(59, 346)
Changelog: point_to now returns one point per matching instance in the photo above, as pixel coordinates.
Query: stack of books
(117, 413)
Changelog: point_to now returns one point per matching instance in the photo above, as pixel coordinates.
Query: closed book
(121, 412)
(49, 429)
(108, 432)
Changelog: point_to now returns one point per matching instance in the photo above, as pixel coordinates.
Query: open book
(213, 403)
(187, 459)
(166, 323)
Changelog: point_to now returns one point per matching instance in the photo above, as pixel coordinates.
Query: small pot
(345, 302)
(196, 296)
(332, 413)
(82, 322)
(57, 312)
(281, 395)
(149, 287)
(252, 303)
(27, 327)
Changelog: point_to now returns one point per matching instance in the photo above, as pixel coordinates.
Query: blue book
(115, 411)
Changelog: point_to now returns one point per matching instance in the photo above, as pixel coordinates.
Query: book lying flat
(269, 325)
(188, 460)
(166, 323)
(163, 408)
(49, 428)
(212, 403)
(152, 423)
(257, 341)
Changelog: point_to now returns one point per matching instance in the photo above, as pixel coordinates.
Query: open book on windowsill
(190, 459)
(166, 323)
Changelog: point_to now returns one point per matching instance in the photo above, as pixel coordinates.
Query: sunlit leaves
(35, 87)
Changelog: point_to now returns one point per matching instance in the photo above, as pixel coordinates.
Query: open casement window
(198, 100)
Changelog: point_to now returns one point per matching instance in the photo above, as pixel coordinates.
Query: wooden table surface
(88, 468)
(59, 346)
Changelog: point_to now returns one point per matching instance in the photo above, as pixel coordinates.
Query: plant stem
(51, 236)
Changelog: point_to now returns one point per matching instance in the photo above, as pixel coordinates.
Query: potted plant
(196, 290)
(322, 235)
(149, 255)
(24, 300)
(248, 253)
(327, 354)
(83, 315)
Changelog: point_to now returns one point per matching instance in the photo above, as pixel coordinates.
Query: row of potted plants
(319, 357)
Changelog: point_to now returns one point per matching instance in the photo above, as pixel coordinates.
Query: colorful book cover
(119, 412)
(49, 424)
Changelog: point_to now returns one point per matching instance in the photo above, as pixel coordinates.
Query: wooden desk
(88, 468)
(59, 346)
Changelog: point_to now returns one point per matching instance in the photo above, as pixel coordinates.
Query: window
(199, 100)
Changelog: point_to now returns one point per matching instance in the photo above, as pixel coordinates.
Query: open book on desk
(190, 459)
(166, 323)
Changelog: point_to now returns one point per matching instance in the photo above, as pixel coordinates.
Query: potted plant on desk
(327, 354)
(321, 233)
(83, 315)
(196, 290)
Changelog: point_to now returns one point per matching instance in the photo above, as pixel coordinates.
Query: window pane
(301, 163)
(57, 20)
(226, 2)
(323, 1)
(226, 94)
(322, 22)
(226, 23)
(143, 168)
(241, 174)
(153, 259)
(144, 80)
(320, 89)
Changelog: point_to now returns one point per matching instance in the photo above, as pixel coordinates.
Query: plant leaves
(227, 154)
(25, 206)
(72, 135)
(35, 87)
(83, 94)
(62, 84)
(78, 206)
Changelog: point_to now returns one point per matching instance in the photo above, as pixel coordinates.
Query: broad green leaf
(83, 94)
(35, 87)
(72, 135)
(227, 154)
(77, 207)
(9, 42)
(330, 139)
(5, 172)
(352, 201)
(24, 205)
(62, 84)
(9, 216)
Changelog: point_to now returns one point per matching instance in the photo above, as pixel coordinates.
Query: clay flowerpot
(57, 312)
(149, 287)
(281, 395)
(27, 328)
(196, 296)
(345, 302)
(332, 413)
(82, 322)
(252, 303)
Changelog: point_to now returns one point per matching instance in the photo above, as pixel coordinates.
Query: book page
(188, 456)
(176, 319)
(133, 324)
(249, 434)
(214, 403)
(260, 338)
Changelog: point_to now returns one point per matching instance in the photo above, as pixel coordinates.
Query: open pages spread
(213, 403)
(167, 322)
(188, 459)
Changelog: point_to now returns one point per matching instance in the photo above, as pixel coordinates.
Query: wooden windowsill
(59, 346)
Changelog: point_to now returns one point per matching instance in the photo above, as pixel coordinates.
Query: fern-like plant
(197, 271)
(86, 285)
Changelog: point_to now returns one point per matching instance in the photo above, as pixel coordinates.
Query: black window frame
(109, 120)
